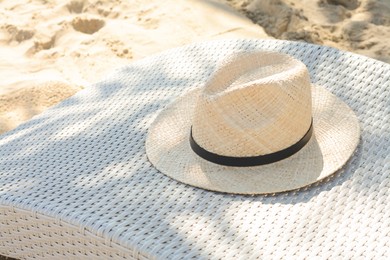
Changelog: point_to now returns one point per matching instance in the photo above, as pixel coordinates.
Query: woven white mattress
(75, 181)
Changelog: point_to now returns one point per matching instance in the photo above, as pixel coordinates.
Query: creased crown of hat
(256, 126)
(254, 107)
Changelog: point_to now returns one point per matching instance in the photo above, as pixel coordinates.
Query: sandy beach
(360, 26)
(52, 49)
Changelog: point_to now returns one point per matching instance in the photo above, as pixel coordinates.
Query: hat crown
(254, 104)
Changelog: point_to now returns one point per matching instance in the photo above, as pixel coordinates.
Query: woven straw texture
(252, 98)
(258, 118)
(79, 173)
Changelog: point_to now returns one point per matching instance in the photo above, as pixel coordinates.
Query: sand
(52, 49)
(360, 26)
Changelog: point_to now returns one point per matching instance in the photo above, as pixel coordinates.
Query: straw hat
(257, 126)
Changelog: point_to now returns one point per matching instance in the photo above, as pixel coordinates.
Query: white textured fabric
(81, 165)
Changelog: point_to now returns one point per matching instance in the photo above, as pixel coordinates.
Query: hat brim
(335, 138)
